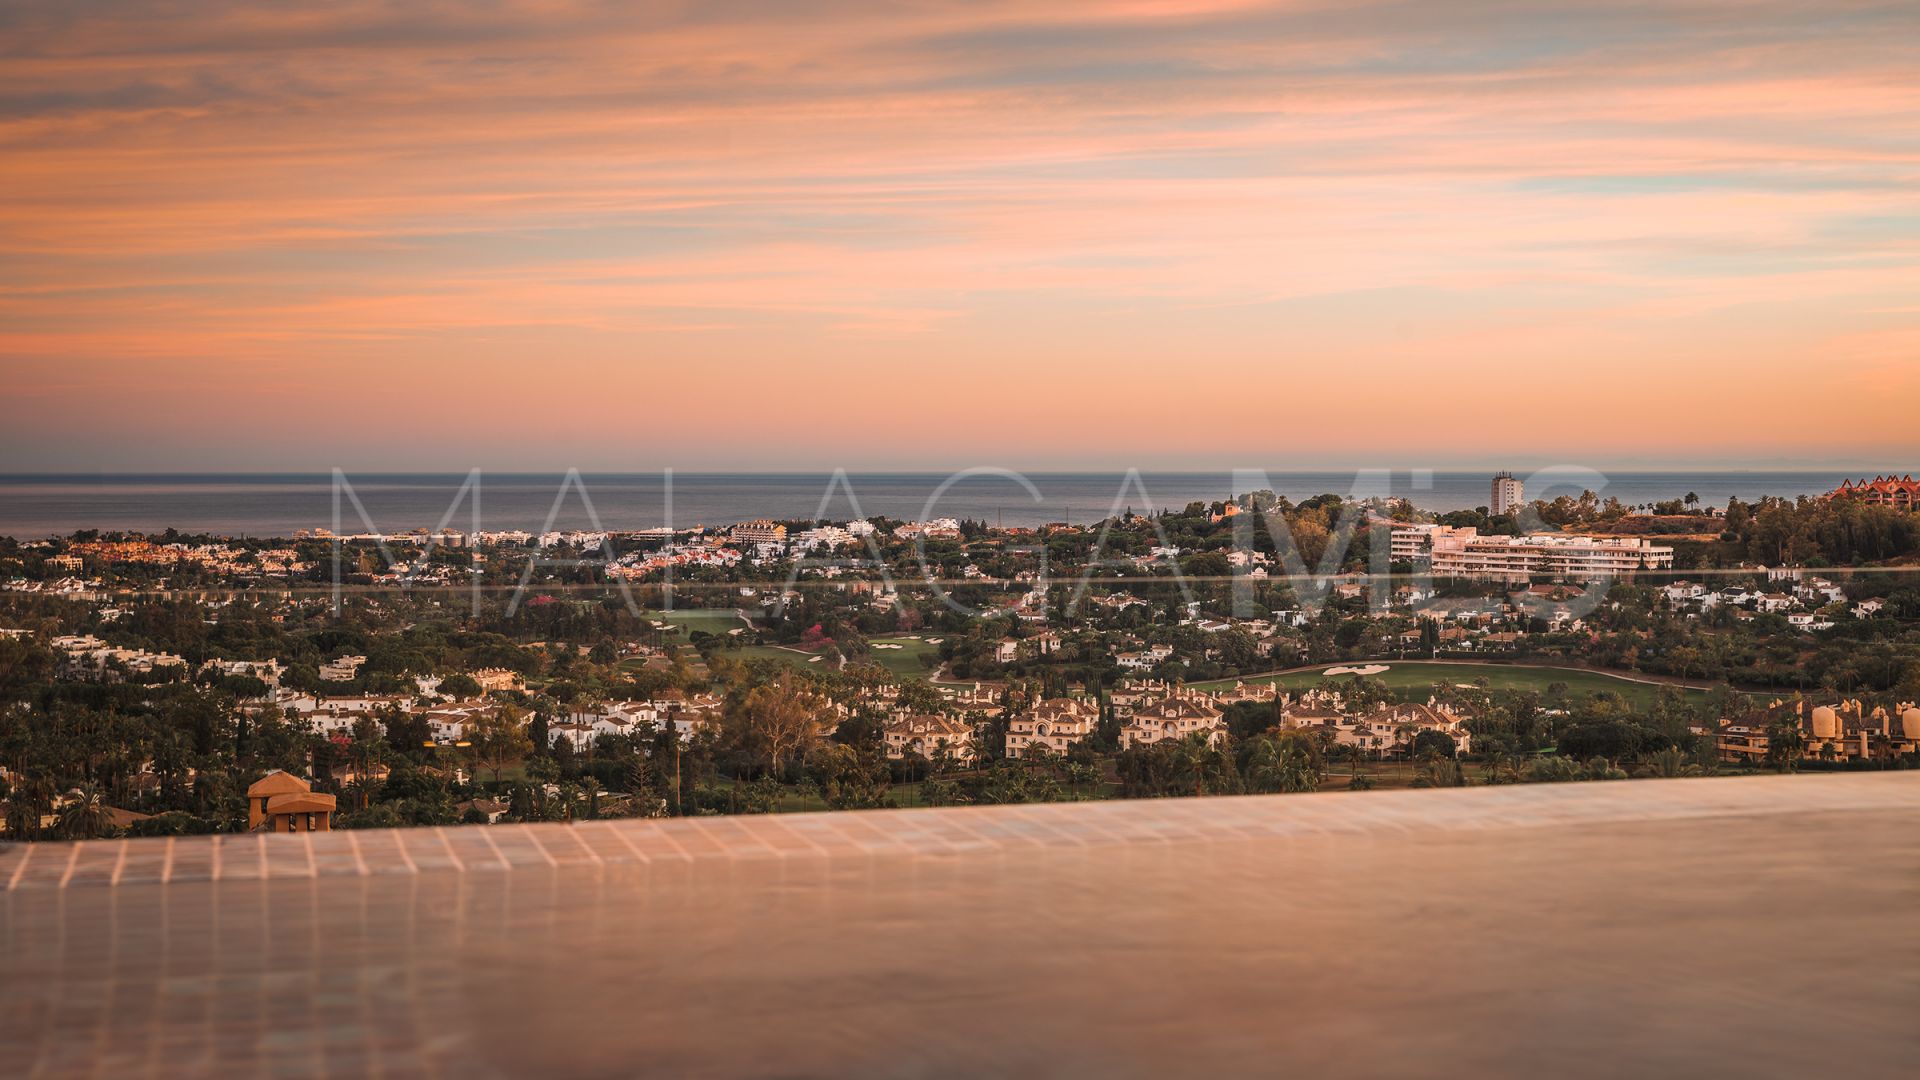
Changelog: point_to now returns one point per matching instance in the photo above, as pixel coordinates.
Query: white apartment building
(1463, 552)
(825, 536)
(1508, 493)
(1414, 543)
(342, 669)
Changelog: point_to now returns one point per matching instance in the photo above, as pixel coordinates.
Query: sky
(540, 234)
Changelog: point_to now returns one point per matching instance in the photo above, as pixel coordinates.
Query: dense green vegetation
(183, 744)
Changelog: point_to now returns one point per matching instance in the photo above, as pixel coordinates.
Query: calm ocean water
(277, 505)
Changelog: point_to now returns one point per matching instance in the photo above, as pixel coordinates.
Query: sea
(278, 505)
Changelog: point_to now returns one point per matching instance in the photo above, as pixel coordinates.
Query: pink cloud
(1016, 223)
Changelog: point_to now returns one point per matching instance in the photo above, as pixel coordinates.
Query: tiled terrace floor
(1759, 926)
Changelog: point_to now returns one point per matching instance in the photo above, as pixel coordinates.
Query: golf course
(1412, 680)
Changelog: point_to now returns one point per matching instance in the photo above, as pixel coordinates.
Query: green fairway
(905, 659)
(903, 662)
(708, 620)
(796, 657)
(1412, 680)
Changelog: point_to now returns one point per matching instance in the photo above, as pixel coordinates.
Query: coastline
(280, 504)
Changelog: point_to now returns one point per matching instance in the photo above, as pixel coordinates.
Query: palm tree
(1438, 771)
(1403, 733)
(1503, 767)
(364, 747)
(1672, 762)
(32, 800)
(1297, 772)
(1279, 765)
(1880, 746)
(1264, 767)
(359, 793)
(87, 816)
(1196, 762)
(1084, 773)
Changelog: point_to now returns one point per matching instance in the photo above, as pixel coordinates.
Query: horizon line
(1057, 469)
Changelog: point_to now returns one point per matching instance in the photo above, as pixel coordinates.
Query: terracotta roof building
(1170, 720)
(930, 736)
(1902, 492)
(282, 802)
(1053, 725)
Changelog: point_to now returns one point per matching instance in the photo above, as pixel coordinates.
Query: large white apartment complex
(1463, 552)
(1414, 543)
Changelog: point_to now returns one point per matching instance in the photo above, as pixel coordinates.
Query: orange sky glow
(771, 235)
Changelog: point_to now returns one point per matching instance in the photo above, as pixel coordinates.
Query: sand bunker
(1366, 670)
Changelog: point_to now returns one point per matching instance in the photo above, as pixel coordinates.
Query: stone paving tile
(872, 833)
(575, 846)
(998, 830)
(47, 867)
(427, 850)
(1055, 828)
(475, 850)
(240, 858)
(379, 973)
(783, 842)
(708, 838)
(289, 855)
(607, 840)
(821, 831)
(734, 837)
(334, 854)
(379, 851)
(146, 862)
(95, 862)
(11, 858)
(656, 845)
(934, 831)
